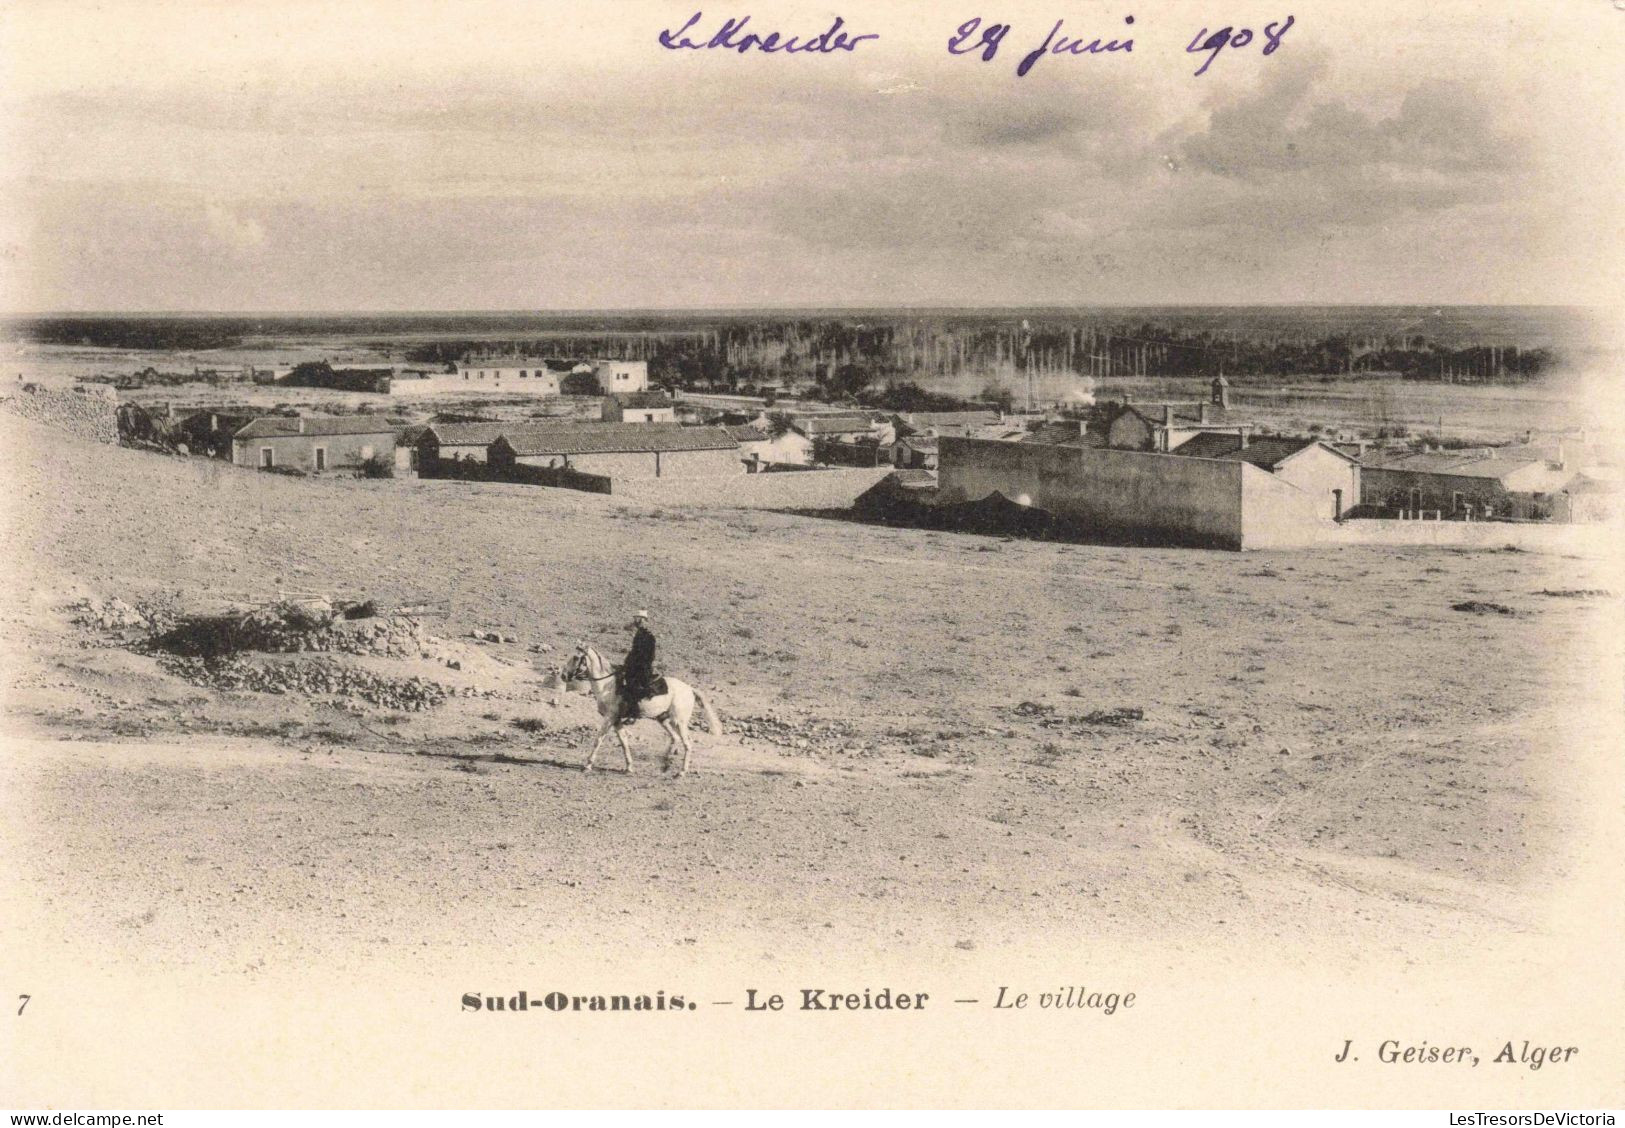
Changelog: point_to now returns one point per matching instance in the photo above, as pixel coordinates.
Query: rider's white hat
(640, 615)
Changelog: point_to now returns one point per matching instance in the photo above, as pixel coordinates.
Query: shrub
(378, 466)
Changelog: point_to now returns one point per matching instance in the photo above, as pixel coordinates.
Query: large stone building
(509, 375)
(1147, 497)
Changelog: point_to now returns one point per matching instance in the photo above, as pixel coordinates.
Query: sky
(494, 155)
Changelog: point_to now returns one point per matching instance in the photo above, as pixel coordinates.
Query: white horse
(672, 708)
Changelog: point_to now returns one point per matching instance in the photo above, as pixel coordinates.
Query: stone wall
(89, 411)
(809, 489)
(1535, 536)
(1152, 498)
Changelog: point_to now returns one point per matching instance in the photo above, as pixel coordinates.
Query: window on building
(522, 374)
(1455, 501)
(1416, 499)
(321, 458)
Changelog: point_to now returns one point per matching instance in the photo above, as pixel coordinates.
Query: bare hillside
(931, 739)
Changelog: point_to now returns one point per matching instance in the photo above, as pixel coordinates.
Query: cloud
(1442, 133)
(1080, 185)
(237, 232)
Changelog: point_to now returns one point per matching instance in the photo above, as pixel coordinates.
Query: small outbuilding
(312, 443)
(1330, 477)
(622, 450)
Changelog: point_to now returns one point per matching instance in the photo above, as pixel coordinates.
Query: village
(1203, 472)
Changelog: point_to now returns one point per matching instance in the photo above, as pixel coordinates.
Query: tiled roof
(914, 479)
(1064, 434)
(949, 418)
(745, 433)
(1268, 451)
(287, 426)
(509, 362)
(615, 438)
(468, 434)
(1453, 465)
(1187, 415)
(1053, 433)
(811, 425)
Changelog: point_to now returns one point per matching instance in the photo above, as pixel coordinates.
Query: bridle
(578, 665)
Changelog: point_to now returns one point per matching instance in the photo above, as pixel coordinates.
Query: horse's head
(584, 664)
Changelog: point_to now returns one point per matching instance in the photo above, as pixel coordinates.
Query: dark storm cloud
(1284, 127)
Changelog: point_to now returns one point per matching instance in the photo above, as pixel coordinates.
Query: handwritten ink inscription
(1235, 38)
(972, 37)
(983, 39)
(975, 37)
(732, 36)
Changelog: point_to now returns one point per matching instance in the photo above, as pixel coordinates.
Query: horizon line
(628, 311)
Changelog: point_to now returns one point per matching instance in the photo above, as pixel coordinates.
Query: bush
(378, 466)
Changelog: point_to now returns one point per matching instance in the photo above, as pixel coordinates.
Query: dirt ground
(933, 742)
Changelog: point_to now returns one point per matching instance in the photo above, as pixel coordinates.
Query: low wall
(1277, 514)
(89, 411)
(814, 489)
(467, 470)
(1153, 498)
(1584, 540)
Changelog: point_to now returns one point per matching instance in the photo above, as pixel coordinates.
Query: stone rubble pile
(312, 677)
(817, 736)
(89, 411)
(109, 614)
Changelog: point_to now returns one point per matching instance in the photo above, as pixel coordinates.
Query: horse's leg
(682, 733)
(671, 742)
(626, 746)
(592, 753)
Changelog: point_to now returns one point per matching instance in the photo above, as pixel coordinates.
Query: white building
(639, 407)
(508, 375)
(616, 377)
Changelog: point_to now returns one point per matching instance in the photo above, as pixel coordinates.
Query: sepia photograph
(625, 555)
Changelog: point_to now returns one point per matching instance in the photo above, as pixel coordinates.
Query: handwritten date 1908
(974, 37)
(1234, 37)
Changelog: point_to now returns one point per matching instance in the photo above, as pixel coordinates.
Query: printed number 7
(25, 999)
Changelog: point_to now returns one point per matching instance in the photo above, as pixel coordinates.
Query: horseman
(638, 671)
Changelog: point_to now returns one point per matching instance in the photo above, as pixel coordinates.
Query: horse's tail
(712, 721)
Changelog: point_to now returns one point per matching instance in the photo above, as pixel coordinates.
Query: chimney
(301, 424)
(1245, 438)
(1204, 413)
(1562, 455)
(1167, 415)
